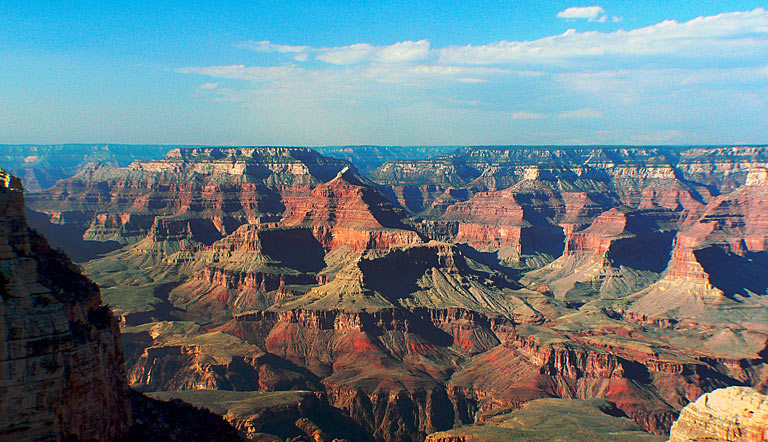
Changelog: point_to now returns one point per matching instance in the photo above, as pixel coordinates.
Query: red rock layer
(186, 367)
(596, 239)
(345, 211)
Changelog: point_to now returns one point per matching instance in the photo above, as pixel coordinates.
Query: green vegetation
(236, 403)
(557, 420)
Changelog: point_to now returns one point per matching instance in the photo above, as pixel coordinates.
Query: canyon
(429, 298)
(61, 359)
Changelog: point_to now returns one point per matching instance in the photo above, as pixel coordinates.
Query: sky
(390, 73)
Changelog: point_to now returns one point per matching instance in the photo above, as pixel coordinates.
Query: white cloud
(427, 73)
(351, 54)
(591, 13)
(405, 51)
(724, 35)
(209, 86)
(268, 47)
(639, 82)
(581, 113)
(524, 115)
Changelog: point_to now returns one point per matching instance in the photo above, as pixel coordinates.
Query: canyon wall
(60, 356)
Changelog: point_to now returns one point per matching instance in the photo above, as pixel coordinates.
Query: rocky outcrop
(620, 253)
(60, 355)
(639, 177)
(433, 275)
(536, 362)
(718, 256)
(170, 367)
(347, 211)
(175, 421)
(728, 415)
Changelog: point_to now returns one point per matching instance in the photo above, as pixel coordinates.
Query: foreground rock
(728, 414)
(175, 420)
(302, 416)
(61, 363)
(62, 374)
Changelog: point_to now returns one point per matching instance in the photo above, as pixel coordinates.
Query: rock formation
(728, 415)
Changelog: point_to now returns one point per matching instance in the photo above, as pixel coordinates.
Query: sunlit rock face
(61, 362)
(726, 415)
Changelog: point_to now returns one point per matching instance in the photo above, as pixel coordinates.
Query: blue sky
(435, 72)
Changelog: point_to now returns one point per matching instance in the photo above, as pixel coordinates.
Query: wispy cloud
(299, 53)
(733, 34)
(242, 72)
(405, 51)
(268, 46)
(209, 86)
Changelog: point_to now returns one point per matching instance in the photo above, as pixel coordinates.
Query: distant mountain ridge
(42, 165)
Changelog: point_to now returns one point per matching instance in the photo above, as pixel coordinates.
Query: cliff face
(347, 211)
(728, 415)
(225, 187)
(387, 368)
(243, 227)
(60, 355)
(717, 257)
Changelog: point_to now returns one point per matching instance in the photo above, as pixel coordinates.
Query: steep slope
(256, 267)
(60, 355)
(543, 280)
(621, 252)
(368, 158)
(435, 276)
(223, 188)
(276, 416)
(637, 176)
(160, 213)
